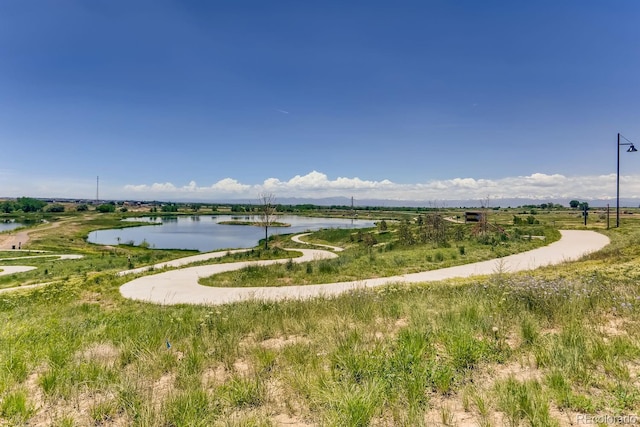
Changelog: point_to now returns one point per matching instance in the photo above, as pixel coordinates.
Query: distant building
(473, 216)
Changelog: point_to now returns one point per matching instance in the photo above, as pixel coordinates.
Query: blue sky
(415, 100)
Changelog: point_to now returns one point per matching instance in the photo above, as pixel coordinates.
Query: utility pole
(97, 189)
(353, 212)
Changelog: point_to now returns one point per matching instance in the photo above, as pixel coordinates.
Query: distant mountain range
(504, 203)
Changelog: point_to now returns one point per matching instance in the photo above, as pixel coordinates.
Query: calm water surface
(9, 225)
(204, 233)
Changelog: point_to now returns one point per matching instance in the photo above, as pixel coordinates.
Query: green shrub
(106, 208)
(56, 207)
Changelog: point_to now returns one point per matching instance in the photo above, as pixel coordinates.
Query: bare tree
(267, 210)
(484, 218)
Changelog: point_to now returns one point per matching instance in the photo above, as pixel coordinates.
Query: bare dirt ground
(14, 240)
(20, 238)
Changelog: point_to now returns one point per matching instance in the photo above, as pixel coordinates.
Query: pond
(9, 224)
(205, 233)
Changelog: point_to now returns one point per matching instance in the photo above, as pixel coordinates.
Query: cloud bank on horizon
(318, 185)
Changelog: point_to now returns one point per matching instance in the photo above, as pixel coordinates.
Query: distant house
(473, 216)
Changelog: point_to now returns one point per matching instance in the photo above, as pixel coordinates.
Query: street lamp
(631, 149)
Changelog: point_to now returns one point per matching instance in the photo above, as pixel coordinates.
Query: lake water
(9, 225)
(204, 233)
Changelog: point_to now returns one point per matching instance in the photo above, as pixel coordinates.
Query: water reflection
(9, 224)
(207, 235)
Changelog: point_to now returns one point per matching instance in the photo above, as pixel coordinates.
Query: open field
(544, 348)
(384, 258)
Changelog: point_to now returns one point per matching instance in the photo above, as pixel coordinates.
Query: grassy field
(384, 258)
(543, 348)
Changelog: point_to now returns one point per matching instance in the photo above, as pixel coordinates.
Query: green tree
(56, 207)
(29, 204)
(382, 226)
(169, 207)
(574, 204)
(405, 234)
(106, 208)
(7, 206)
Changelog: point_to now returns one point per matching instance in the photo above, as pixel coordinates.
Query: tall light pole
(631, 149)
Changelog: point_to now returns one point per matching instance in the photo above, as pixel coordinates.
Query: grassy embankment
(536, 348)
(67, 234)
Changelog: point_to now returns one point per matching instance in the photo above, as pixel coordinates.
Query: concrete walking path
(181, 286)
(297, 237)
(13, 269)
(182, 261)
(25, 287)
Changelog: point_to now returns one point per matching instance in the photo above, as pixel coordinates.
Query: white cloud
(166, 187)
(540, 186)
(229, 185)
(317, 185)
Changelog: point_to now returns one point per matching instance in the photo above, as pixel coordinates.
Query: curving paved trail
(181, 286)
(13, 269)
(9, 241)
(181, 261)
(297, 237)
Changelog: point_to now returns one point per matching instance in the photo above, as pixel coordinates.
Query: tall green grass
(387, 355)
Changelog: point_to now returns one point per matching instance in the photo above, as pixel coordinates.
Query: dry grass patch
(214, 377)
(87, 409)
(615, 326)
(287, 420)
(105, 354)
(449, 411)
(523, 370)
(242, 367)
(281, 342)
